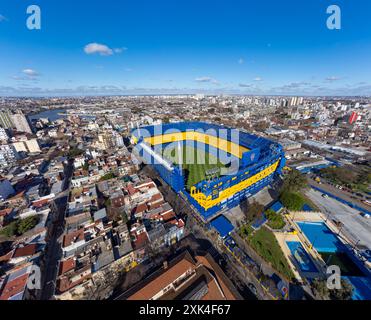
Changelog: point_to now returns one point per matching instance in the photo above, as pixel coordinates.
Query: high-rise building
(296, 101)
(21, 123)
(6, 120)
(3, 135)
(8, 155)
(293, 101)
(353, 117)
(118, 139)
(110, 139)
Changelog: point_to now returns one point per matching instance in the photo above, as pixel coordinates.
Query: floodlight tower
(138, 127)
(180, 157)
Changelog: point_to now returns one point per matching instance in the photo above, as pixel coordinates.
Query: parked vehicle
(252, 289)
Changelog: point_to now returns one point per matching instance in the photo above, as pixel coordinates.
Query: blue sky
(185, 46)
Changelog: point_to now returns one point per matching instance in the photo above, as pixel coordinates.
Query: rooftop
(185, 278)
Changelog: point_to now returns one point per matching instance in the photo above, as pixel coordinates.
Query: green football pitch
(195, 162)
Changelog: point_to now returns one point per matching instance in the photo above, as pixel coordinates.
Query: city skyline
(129, 48)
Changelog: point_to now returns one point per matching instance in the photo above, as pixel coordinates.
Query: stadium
(214, 166)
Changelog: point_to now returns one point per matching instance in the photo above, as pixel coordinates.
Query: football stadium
(214, 166)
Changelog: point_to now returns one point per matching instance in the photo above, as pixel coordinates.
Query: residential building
(21, 123)
(185, 278)
(3, 135)
(6, 120)
(8, 155)
(6, 189)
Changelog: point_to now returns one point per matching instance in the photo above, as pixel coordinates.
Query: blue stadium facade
(255, 162)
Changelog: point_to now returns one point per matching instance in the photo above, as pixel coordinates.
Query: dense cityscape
(185, 159)
(79, 206)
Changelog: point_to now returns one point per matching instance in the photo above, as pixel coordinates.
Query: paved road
(340, 193)
(356, 227)
(54, 251)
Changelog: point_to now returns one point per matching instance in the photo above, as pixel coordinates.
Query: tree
(124, 217)
(85, 166)
(27, 224)
(338, 175)
(10, 230)
(275, 220)
(108, 176)
(19, 227)
(294, 181)
(75, 152)
(292, 200)
(261, 126)
(251, 211)
(320, 289)
(345, 293)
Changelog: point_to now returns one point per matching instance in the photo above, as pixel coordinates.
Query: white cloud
(258, 79)
(120, 50)
(241, 61)
(245, 85)
(203, 79)
(3, 18)
(30, 72)
(332, 78)
(207, 79)
(19, 78)
(97, 48)
(27, 75)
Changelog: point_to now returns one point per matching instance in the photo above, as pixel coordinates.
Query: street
(53, 252)
(339, 193)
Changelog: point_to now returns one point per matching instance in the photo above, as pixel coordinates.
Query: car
(324, 195)
(252, 288)
(365, 215)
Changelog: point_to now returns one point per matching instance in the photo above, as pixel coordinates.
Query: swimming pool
(307, 207)
(321, 237)
(362, 287)
(301, 256)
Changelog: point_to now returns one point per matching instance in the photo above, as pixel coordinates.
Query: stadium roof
(277, 206)
(222, 225)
